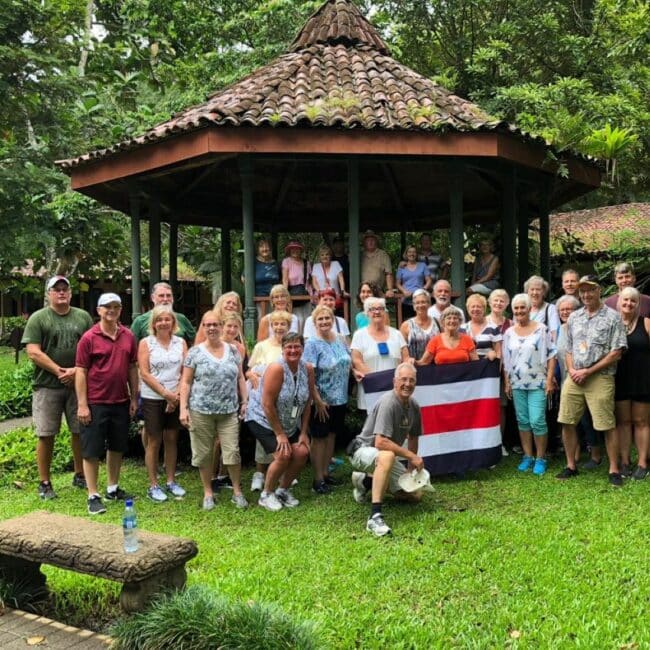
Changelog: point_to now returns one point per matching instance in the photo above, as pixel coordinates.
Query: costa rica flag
(460, 410)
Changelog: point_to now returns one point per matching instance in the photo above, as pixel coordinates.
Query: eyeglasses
(212, 325)
(376, 309)
(60, 289)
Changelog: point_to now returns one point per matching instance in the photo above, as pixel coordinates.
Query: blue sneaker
(540, 466)
(526, 464)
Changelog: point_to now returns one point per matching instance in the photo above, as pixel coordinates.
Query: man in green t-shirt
(51, 336)
(161, 294)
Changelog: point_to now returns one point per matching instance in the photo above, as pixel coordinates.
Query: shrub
(16, 392)
(22, 595)
(17, 454)
(199, 618)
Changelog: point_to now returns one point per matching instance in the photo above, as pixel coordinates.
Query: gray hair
(371, 302)
(450, 311)
(572, 300)
(522, 298)
(421, 292)
(404, 364)
(160, 285)
(630, 292)
(442, 280)
(624, 267)
(536, 279)
(498, 292)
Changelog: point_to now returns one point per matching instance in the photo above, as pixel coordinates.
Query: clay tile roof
(338, 21)
(598, 228)
(337, 73)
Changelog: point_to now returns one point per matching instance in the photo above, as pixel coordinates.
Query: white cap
(56, 279)
(108, 298)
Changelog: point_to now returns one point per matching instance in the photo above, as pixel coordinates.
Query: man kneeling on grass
(377, 449)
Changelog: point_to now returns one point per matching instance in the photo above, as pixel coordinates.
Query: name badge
(294, 412)
(582, 346)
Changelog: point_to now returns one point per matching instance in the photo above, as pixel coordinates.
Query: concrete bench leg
(25, 575)
(135, 595)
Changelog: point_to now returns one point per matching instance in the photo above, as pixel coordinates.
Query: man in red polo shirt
(106, 382)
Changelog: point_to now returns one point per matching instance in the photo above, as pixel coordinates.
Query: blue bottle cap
(129, 503)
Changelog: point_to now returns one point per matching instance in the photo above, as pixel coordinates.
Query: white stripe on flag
(461, 391)
(468, 440)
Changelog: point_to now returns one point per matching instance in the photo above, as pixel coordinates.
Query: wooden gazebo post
(456, 232)
(136, 256)
(353, 237)
(246, 173)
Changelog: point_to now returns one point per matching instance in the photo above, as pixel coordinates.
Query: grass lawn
(497, 560)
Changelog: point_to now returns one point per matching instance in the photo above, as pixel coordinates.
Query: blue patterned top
(331, 361)
(214, 388)
(525, 358)
(293, 392)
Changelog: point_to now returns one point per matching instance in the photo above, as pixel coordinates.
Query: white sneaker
(175, 489)
(208, 503)
(257, 484)
(358, 488)
(239, 500)
(377, 526)
(156, 494)
(269, 501)
(286, 498)
(504, 451)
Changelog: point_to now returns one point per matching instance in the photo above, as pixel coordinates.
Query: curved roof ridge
(338, 22)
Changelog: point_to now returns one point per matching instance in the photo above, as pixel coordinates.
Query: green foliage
(17, 456)
(198, 618)
(21, 595)
(16, 392)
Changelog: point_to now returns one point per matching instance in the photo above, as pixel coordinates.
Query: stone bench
(96, 549)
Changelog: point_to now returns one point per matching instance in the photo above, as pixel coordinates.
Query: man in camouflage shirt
(595, 342)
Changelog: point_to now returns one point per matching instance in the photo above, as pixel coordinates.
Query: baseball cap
(590, 281)
(108, 298)
(57, 278)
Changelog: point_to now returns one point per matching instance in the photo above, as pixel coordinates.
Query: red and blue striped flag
(460, 414)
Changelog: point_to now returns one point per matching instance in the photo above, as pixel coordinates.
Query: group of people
(419, 268)
(292, 392)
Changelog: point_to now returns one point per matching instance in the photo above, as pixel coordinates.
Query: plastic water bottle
(130, 527)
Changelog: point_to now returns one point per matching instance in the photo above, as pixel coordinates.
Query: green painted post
(226, 260)
(250, 313)
(545, 237)
(456, 233)
(508, 229)
(136, 258)
(173, 256)
(353, 236)
(523, 252)
(154, 243)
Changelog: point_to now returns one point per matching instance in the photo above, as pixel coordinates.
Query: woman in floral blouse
(529, 356)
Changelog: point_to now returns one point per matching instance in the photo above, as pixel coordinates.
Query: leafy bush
(17, 454)
(7, 325)
(16, 392)
(21, 595)
(199, 618)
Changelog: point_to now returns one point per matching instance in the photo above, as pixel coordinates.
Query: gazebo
(335, 134)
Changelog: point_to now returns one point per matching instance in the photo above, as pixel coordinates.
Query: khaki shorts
(365, 458)
(597, 393)
(48, 407)
(261, 456)
(204, 429)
